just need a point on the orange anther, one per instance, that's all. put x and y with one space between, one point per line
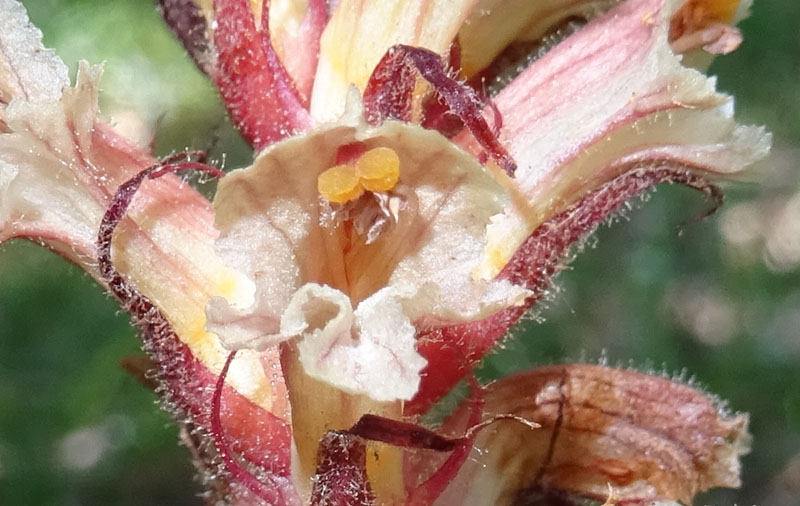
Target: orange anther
339 184
378 169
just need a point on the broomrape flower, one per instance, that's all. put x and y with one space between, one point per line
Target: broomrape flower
422 169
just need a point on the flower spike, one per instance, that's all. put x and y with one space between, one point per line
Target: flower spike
390 88
300 325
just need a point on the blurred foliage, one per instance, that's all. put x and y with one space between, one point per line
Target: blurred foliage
719 301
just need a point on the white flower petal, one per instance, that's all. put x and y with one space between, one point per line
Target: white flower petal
260 248
380 361
273 231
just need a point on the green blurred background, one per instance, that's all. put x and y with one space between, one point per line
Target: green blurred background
719 303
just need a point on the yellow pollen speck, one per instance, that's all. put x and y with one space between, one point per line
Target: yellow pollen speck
378 169
340 184
227 285
497 258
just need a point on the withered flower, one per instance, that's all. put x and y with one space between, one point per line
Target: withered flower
422 170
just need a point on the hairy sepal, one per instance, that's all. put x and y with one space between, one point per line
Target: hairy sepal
295 25
257 90
651 439
191 25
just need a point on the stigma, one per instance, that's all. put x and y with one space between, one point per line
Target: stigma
376 170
